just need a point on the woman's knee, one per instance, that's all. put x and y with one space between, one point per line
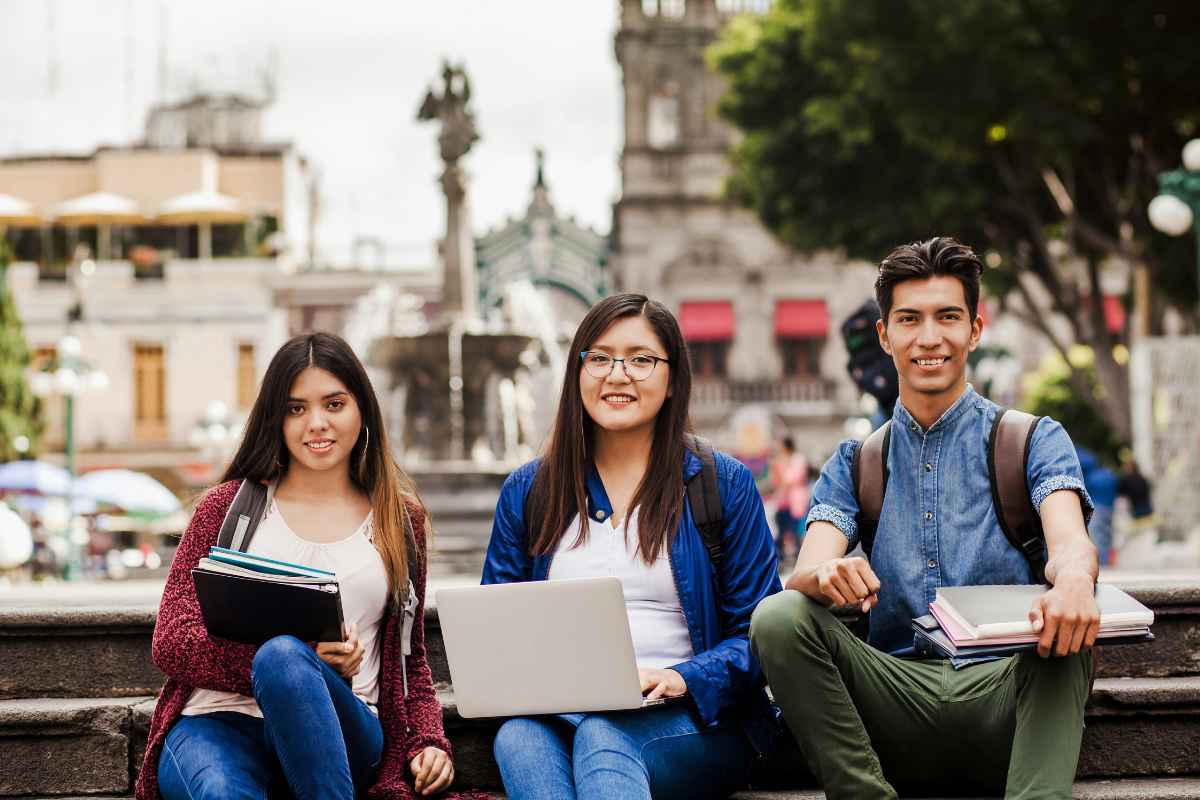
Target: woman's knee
520 737
600 734
276 656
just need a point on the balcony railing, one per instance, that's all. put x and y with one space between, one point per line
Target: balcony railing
716 395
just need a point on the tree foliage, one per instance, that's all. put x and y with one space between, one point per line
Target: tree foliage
19 407
1006 123
1048 392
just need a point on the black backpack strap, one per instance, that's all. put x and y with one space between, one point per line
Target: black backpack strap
244 514
704 497
870 474
1008 466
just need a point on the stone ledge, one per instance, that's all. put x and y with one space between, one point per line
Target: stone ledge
64 746
1137 789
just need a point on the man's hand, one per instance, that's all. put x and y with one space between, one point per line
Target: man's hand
1067 616
432 771
661 683
345 657
848 582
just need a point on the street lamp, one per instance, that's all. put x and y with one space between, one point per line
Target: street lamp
69 376
216 434
1177 209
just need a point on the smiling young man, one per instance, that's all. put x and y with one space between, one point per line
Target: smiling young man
871 716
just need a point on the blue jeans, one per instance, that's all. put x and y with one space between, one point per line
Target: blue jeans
316 738
657 753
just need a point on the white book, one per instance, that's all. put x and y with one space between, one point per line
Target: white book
986 612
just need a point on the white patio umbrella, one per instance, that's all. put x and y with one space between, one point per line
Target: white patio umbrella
17 213
102 209
132 492
205 209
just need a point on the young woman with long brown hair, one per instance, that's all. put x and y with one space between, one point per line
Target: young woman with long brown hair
608 499
344 718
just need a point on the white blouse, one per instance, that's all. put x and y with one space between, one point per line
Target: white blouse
656 619
362 578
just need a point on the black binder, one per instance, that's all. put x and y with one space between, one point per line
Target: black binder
253 610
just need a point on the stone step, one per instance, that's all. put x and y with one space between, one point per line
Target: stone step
72 651
1136 728
77 652
1137 789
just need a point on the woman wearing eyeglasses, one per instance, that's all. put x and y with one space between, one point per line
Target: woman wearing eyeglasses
609 500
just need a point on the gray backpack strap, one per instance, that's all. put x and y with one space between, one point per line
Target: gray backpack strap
870 475
245 512
409 613
1008 466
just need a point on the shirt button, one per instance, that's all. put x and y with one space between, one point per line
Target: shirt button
929 467
600 514
928 515
932 564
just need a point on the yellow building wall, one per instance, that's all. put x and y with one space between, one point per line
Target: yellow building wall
46 184
257 182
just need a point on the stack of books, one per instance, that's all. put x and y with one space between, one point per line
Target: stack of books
250 598
972 621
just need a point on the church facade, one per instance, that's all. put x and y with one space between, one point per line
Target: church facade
761 320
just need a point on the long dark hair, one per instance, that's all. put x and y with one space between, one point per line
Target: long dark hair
263 454
560 487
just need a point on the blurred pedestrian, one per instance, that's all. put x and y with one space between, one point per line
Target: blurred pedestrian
1101 483
791 494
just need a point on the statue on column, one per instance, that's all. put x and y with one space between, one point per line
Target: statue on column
458 121
450 108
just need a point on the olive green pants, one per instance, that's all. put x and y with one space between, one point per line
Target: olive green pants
868 722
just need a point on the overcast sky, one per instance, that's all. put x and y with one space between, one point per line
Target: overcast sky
350 76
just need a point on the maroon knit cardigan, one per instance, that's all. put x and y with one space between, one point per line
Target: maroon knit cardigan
191 658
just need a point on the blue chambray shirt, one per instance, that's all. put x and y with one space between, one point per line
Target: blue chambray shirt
938 526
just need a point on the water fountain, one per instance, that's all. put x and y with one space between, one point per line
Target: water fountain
450 376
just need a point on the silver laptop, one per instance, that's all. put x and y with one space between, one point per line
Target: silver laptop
544 647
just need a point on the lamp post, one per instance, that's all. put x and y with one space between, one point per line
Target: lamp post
69 376
1177 209
216 434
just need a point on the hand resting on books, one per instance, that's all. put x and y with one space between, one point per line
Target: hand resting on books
345 657
1066 616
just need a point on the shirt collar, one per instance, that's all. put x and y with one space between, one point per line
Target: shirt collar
965 400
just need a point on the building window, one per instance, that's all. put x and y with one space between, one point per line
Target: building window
149 393
709 359
671 9
801 357
663 117
247 378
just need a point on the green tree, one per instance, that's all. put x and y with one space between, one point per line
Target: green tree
19 407
1048 392
1006 123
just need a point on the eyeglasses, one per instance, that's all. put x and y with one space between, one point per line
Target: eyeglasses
637 368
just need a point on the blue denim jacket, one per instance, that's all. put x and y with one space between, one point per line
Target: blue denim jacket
938 525
723 677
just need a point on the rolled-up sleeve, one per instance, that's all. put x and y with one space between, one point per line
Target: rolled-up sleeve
833 498
1054 466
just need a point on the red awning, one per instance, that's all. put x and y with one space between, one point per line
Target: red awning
801 319
1114 313
707 321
